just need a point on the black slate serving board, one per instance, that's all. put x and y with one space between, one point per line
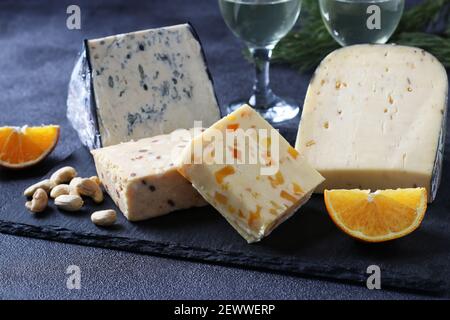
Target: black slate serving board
307 244
34 86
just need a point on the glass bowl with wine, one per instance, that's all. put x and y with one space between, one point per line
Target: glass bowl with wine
361 21
260 24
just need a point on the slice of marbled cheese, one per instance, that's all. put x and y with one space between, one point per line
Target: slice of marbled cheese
142 178
141 84
374 118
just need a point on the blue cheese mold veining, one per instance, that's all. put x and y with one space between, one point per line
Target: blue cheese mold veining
145 83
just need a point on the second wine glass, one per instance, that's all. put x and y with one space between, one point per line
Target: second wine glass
260 24
361 21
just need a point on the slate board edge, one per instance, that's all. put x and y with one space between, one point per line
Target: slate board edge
237 259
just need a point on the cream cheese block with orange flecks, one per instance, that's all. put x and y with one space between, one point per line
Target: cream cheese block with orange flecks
374 118
141 176
245 169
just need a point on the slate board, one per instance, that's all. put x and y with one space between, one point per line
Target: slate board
307 244
35 85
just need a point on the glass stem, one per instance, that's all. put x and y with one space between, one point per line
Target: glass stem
262 94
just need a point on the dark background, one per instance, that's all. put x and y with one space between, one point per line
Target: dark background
33 90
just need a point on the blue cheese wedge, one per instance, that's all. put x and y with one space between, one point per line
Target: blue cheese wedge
141 176
253 196
140 84
374 118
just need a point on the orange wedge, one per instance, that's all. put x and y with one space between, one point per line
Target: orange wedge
26 146
379 216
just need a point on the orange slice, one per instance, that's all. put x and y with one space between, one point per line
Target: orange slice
26 146
379 216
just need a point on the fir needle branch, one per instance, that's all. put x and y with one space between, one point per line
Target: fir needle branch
437 45
304 47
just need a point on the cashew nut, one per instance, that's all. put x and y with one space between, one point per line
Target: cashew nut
46 184
96 180
63 175
39 201
104 218
87 187
72 185
69 202
60 190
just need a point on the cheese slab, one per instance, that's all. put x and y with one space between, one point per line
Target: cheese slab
257 182
141 177
140 84
374 118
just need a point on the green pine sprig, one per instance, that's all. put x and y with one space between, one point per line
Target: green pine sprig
307 45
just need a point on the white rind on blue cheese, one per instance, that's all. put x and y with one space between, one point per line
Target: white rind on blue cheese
141 84
374 118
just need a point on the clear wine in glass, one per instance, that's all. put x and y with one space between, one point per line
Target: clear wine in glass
260 24
361 21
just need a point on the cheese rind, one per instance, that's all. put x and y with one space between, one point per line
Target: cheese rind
374 118
140 84
141 176
252 200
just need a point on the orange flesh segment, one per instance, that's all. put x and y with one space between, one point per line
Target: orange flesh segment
12 150
376 217
26 146
4 135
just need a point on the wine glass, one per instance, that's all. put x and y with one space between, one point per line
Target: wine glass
260 24
361 21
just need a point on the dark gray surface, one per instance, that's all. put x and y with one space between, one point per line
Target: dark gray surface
36 269
34 88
